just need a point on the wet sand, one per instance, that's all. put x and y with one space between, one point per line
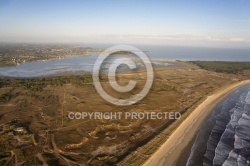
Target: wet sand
176 150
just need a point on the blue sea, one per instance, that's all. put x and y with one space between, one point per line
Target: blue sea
85 63
224 138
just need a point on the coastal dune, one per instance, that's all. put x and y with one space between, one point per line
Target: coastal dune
169 152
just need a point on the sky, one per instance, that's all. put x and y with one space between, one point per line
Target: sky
217 23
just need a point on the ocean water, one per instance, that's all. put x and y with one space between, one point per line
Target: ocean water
224 138
44 68
192 53
199 53
71 64
85 63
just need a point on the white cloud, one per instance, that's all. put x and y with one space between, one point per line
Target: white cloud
185 38
238 39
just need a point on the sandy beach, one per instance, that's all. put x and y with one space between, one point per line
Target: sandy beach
171 151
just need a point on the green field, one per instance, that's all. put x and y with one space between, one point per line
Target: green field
223 67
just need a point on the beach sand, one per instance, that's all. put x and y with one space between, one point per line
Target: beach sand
176 149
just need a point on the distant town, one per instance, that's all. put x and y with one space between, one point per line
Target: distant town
15 54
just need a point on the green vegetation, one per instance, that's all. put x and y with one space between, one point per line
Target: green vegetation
223 67
101 134
37 84
7 96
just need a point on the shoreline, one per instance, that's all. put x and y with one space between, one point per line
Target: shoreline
178 144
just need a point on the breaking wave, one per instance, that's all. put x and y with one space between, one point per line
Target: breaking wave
224 138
